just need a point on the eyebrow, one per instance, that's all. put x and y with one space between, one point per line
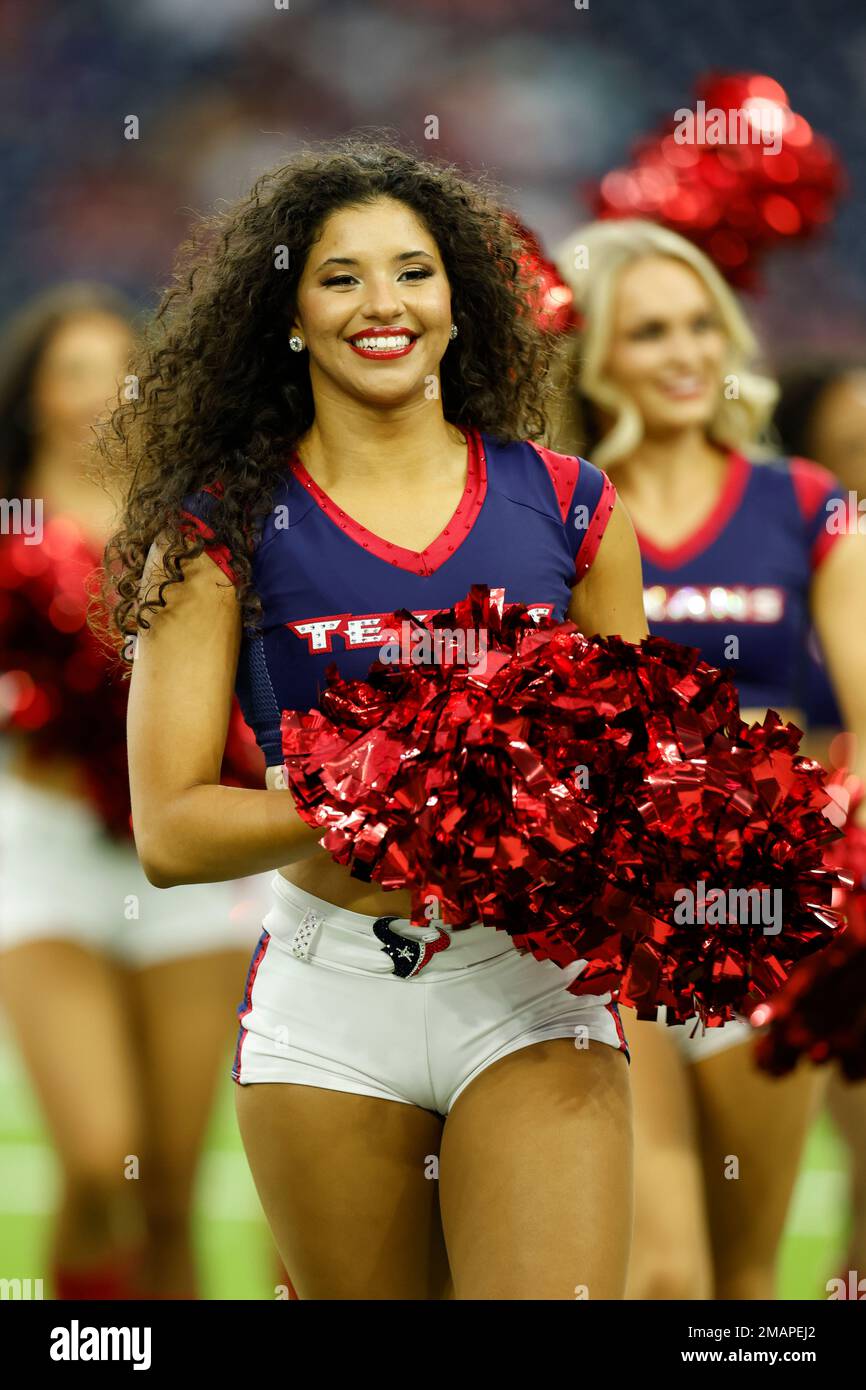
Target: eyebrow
347 260
660 319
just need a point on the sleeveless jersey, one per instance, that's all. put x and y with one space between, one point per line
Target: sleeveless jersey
529 523
738 587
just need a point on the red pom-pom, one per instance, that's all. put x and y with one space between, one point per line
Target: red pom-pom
821 1010
739 174
571 792
60 686
550 299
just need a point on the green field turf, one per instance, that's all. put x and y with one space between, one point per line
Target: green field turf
231 1235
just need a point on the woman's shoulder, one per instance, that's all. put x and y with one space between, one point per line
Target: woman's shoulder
548 478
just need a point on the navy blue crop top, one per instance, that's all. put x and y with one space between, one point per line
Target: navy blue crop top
529 523
745 573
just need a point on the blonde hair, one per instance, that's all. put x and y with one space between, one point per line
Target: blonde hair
591 261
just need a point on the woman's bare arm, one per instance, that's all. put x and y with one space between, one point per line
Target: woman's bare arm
609 598
188 828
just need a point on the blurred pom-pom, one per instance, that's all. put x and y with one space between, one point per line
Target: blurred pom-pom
573 793
550 299
61 687
821 1011
740 174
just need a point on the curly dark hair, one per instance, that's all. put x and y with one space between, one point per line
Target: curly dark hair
220 397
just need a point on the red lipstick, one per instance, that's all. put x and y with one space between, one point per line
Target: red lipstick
369 337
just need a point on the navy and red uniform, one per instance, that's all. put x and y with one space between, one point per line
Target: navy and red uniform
745 574
529 522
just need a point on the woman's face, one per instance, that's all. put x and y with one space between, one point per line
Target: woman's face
668 346
375 266
77 377
838 430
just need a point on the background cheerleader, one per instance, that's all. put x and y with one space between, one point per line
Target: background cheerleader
88 980
821 414
736 555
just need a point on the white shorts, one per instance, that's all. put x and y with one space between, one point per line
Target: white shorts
695 1043
61 877
324 1006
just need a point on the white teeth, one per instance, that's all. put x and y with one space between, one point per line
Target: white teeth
383 344
691 383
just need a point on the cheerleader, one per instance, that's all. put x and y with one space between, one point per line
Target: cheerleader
334 421
821 413
737 554
94 960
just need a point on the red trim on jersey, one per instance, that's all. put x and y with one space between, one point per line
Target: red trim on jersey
246 1006
672 556
613 1010
595 530
433 557
564 472
823 545
220 554
812 482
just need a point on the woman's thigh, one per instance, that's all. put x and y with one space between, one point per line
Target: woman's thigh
348 1186
671 1251
752 1131
536 1176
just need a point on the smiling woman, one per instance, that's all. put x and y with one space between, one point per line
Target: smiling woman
346 438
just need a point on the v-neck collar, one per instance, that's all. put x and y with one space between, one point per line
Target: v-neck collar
672 556
454 533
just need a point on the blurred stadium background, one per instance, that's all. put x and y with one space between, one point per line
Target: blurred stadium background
543 95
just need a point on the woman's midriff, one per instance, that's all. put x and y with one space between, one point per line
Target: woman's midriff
323 878
319 875
333 883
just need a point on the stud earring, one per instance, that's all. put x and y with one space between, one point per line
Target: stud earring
296 343
453 333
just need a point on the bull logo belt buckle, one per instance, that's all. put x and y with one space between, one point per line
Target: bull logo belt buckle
408 955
